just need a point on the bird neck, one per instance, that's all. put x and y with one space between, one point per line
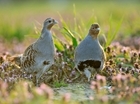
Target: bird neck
93 34
44 29
45 32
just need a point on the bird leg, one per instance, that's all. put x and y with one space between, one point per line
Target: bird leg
41 72
95 73
78 70
37 82
88 74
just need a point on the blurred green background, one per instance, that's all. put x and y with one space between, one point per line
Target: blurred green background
21 20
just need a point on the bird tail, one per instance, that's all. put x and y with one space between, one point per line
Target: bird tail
16 59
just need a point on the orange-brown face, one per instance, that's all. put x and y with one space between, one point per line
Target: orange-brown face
49 22
94 30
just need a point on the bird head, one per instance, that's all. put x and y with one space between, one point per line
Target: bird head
49 22
94 30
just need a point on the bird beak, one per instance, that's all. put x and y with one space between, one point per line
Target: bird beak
55 22
98 29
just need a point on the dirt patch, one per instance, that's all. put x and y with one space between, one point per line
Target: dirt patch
77 91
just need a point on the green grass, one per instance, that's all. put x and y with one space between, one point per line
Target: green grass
117 19
17 32
58 84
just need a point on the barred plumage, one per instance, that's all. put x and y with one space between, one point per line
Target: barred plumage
40 52
28 58
89 54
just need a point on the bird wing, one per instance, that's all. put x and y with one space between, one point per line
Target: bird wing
103 58
103 55
76 56
28 58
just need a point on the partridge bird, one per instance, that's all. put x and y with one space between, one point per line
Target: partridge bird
89 54
39 56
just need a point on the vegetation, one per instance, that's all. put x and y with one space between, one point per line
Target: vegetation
119 81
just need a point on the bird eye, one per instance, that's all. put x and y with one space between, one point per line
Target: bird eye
49 21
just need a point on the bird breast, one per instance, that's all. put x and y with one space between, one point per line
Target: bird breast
45 46
89 49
